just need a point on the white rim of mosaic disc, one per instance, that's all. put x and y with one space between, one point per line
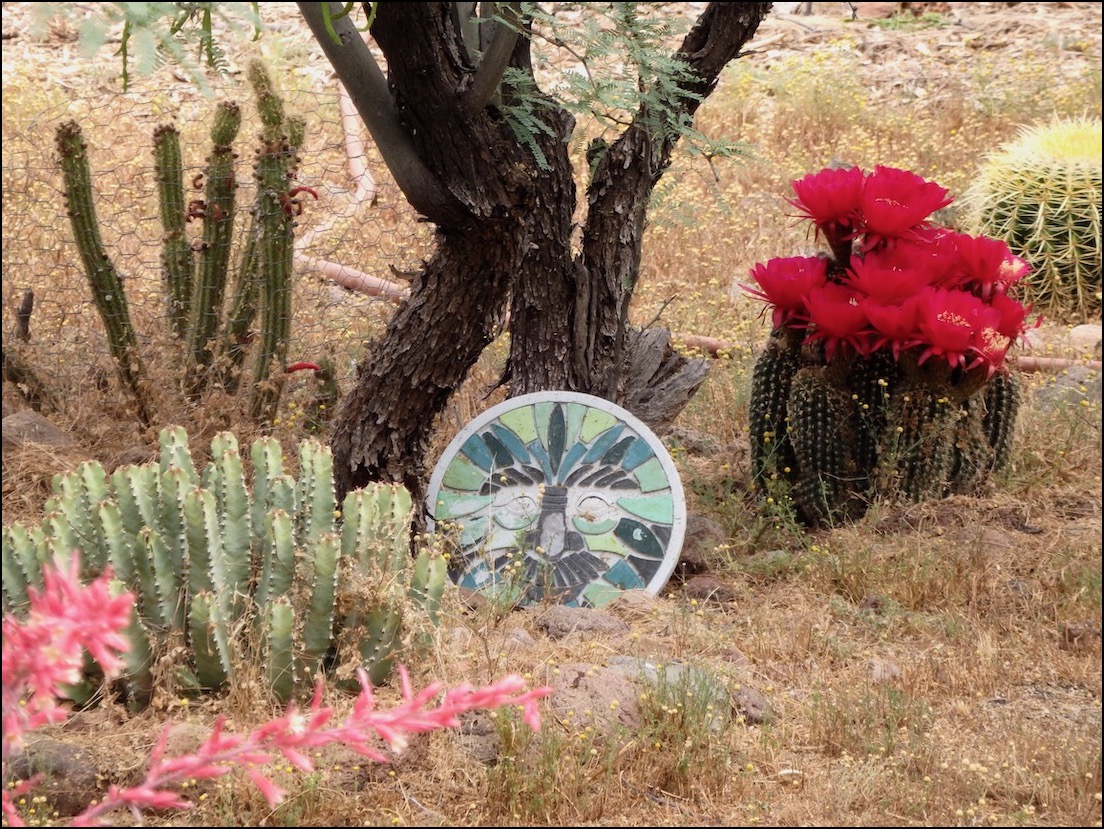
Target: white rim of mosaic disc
582 475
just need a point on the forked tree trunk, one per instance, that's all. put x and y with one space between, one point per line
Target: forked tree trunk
505 226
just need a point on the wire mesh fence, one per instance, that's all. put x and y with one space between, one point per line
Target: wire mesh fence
355 239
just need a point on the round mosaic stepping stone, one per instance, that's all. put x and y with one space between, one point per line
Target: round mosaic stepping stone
558 495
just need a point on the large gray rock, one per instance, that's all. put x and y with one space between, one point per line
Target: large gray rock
30 427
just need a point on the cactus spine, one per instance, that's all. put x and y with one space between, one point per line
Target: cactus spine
211 563
104 279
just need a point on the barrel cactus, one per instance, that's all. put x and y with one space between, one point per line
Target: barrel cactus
884 375
1041 194
232 573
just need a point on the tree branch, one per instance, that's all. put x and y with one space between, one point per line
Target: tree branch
356 67
488 74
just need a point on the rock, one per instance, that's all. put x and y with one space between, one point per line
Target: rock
595 695
988 540
703 536
478 736
560 620
70 777
752 705
1069 388
706 588
633 605
671 680
30 427
1085 340
132 456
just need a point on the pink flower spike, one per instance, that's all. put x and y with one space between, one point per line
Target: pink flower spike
272 793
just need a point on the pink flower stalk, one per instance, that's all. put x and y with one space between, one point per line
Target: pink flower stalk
786 283
46 650
895 201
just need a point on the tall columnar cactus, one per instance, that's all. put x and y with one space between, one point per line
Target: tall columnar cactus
103 278
232 570
218 211
273 216
1042 195
176 250
772 452
217 338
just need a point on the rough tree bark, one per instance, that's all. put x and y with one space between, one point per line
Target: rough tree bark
504 228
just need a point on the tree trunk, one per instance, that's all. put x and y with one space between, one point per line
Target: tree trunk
505 235
569 315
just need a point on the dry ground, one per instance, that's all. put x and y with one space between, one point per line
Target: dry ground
939 665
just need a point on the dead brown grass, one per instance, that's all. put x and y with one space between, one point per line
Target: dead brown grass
920 662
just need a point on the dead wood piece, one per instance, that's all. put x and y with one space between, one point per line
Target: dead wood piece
658 382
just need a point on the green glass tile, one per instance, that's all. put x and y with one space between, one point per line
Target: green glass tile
459 504
520 422
595 422
465 475
651 476
658 509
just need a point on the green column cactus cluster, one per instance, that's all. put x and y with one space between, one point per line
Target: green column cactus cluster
221 567
839 436
1042 195
214 328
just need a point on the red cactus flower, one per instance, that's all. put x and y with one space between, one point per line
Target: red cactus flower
894 325
831 198
930 249
988 344
785 282
838 318
948 320
896 201
887 282
1013 316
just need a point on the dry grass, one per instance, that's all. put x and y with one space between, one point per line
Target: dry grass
919 662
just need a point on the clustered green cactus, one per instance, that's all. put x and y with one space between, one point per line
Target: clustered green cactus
218 566
1042 195
214 329
838 436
